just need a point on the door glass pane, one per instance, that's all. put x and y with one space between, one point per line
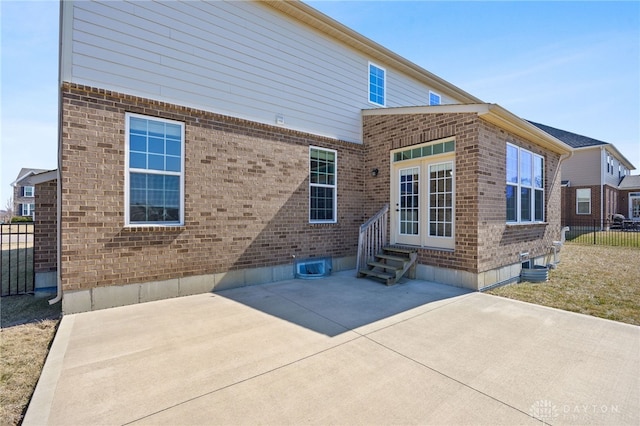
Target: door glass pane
635 208
408 203
441 200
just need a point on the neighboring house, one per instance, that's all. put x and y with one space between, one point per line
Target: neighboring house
24 193
205 145
592 179
45 240
629 197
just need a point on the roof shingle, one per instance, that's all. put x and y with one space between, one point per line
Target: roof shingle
572 139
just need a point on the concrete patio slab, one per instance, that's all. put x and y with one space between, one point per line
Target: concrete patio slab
339 350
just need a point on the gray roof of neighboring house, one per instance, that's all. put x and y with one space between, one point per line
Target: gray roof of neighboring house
630 182
572 139
26 171
577 141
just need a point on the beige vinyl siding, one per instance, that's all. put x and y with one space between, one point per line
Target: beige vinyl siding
611 178
584 167
236 58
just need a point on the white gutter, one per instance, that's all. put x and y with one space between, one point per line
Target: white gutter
491 113
58 172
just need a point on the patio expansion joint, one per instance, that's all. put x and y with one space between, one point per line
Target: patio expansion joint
370 338
358 336
448 377
266 372
247 379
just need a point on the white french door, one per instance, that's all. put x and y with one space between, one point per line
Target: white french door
634 206
424 199
408 206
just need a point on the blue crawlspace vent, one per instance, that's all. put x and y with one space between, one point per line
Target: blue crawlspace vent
317 267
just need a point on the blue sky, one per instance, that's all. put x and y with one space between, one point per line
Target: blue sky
571 65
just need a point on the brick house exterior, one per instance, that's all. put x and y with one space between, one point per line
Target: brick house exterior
24 194
45 236
250 183
629 197
487 248
44 186
245 204
594 173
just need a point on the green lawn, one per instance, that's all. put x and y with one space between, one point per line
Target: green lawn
605 238
602 281
17 271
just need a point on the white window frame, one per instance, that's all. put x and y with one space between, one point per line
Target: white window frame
519 185
318 185
27 209
578 190
632 197
129 170
384 82
434 94
32 191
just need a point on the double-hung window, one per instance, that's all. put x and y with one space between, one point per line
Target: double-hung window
27 191
525 185
154 176
322 185
377 83
583 201
27 209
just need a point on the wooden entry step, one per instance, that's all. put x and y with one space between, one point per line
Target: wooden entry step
391 264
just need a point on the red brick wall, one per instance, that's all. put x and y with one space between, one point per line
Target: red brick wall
45 229
384 133
246 196
483 240
498 243
569 215
623 202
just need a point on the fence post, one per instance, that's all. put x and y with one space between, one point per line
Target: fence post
594 232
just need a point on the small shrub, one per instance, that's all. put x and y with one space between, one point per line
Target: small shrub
18 219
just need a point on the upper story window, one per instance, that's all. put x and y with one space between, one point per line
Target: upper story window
377 84
28 191
154 174
322 185
434 98
609 164
525 185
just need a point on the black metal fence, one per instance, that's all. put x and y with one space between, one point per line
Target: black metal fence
608 232
17 260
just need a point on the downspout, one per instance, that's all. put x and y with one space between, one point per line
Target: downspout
604 154
556 245
59 174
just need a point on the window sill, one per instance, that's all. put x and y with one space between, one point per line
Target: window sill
154 228
516 224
